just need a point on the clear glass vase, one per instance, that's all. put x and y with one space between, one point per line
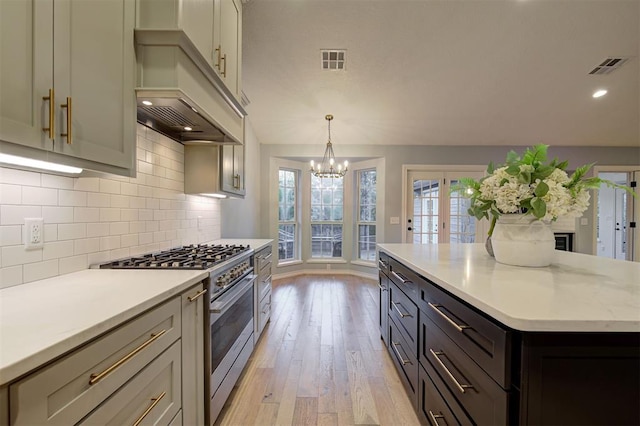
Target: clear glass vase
523 240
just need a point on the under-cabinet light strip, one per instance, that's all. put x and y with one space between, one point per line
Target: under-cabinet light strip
37 164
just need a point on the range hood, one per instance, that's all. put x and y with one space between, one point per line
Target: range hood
180 95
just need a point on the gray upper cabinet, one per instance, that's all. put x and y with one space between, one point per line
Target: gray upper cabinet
232 172
67 74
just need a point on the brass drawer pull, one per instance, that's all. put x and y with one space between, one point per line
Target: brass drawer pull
69 120
224 69
218 50
52 114
400 312
268 279
95 378
434 418
198 294
462 388
401 277
154 402
236 177
395 348
458 327
267 257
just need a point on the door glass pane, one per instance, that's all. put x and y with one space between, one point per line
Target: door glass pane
462 226
426 194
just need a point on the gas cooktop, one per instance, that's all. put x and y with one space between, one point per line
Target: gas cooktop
200 256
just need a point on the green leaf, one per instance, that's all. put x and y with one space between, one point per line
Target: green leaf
513 170
541 190
538 207
524 177
512 157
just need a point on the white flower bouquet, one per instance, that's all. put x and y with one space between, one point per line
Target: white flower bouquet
530 185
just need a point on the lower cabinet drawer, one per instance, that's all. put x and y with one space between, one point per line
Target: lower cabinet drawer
177 420
436 405
264 312
65 391
405 361
405 313
484 400
152 397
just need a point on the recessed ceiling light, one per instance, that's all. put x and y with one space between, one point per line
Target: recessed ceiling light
599 93
188 129
147 102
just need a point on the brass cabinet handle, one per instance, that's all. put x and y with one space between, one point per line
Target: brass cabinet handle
400 312
382 264
68 134
96 377
395 349
236 178
462 388
219 51
267 279
198 294
268 257
154 402
52 114
434 418
458 327
401 277
224 69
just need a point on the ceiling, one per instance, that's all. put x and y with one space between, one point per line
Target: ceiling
443 72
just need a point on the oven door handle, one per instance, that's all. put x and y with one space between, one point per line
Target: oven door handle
229 298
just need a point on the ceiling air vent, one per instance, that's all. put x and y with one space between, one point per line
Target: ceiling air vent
333 60
608 66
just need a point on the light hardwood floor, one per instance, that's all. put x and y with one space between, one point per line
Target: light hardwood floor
320 361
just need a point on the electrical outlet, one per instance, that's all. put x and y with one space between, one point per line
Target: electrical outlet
33 233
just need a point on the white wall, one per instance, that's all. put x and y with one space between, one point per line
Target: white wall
95 219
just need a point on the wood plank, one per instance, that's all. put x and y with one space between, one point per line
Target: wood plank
327 386
327 419
306 411
288 401
364 409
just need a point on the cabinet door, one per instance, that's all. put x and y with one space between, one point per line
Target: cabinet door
232 175
197 22
230 40
94 67
26 58
193 319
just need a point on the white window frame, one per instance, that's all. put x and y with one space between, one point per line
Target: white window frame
356 215
296 217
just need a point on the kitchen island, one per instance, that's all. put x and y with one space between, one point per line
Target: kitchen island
475 341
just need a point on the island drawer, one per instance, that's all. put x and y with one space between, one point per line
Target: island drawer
487 343
383 262
153 395
436 405
68 389
480 396
405 313
407 280
406 362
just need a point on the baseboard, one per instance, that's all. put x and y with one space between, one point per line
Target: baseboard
325 272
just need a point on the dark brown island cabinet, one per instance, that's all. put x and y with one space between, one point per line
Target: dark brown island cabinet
461 366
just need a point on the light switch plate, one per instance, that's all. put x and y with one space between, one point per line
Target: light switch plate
394 220
33 233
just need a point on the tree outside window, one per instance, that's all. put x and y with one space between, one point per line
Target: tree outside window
366 214
287 214
327 203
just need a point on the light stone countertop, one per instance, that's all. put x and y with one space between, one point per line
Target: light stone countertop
576 293
42 320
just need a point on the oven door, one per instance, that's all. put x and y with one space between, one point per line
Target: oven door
231 326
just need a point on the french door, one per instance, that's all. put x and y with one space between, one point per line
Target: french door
435 215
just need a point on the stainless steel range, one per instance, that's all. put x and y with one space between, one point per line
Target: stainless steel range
229 330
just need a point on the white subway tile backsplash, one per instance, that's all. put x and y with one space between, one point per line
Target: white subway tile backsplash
72 231
89 184
10 235
19 177
57 214
72 198
86 214
73 264
35 195
109 215
96 199
109 186
14 215
17 255
10 194
99 229
86 245
40 270
92 220
59 182
10 276
57 249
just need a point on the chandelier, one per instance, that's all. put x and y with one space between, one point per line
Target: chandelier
327 168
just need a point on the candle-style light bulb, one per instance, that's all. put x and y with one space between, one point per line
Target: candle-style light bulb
346 164
331 161
312 164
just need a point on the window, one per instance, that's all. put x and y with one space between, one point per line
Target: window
366 214
327 199
287 214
